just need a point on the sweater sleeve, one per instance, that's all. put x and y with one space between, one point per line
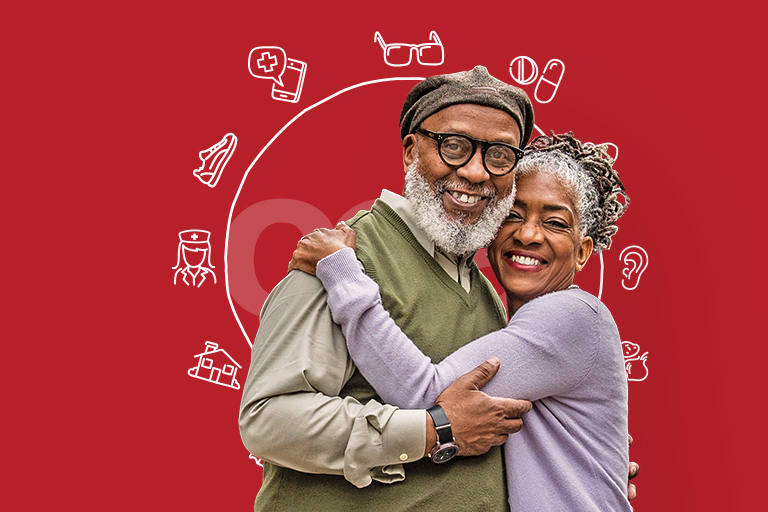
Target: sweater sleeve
547 348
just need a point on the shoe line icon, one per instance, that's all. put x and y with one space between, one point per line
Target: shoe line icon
214 159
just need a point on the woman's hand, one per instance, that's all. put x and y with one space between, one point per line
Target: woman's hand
319 244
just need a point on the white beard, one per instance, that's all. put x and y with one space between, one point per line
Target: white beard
453 236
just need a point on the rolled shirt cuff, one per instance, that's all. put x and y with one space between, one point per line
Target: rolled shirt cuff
378 437
406 434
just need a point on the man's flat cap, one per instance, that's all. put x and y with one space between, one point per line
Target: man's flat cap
476 86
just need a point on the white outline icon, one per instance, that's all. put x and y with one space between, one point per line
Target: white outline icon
609 145
606 146
270 59
631 351
258 461
207 365
215 158
549 69
520 74
635 261
271 64
388 48
191 241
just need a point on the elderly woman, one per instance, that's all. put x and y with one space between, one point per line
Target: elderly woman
561 349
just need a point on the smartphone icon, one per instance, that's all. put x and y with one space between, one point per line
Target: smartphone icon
293 80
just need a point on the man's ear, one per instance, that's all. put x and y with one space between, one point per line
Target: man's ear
585 251
409 150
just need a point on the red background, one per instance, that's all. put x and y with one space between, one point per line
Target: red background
107 106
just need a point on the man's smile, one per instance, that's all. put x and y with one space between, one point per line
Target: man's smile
470 203
465 198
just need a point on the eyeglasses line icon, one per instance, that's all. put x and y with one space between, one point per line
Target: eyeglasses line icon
400 54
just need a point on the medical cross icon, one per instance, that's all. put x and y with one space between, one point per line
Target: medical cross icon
287 75
267 66
194 236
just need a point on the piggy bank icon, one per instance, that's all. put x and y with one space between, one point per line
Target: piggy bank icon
634 363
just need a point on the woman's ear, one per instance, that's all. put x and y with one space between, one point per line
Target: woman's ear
585 251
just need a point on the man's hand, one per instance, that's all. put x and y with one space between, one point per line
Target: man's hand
479 421
634 470
319 244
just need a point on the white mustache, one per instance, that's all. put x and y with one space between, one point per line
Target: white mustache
444 184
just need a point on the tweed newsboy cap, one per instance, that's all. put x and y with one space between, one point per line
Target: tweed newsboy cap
476 86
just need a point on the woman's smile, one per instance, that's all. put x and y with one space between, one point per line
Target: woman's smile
525 261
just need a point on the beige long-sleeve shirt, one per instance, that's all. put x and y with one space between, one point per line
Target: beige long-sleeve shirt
291 414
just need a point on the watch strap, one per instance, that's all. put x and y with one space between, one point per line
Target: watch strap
442 425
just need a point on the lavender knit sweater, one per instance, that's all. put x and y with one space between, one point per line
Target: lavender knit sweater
562 351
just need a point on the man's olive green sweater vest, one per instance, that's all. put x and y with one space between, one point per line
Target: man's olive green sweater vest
440 317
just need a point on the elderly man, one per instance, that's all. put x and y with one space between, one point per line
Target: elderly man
306 410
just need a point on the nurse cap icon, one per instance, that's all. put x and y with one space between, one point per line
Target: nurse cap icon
194 236
194 249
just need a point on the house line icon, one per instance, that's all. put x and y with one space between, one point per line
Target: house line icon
215 365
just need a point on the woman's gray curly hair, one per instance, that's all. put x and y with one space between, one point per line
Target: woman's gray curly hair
587 170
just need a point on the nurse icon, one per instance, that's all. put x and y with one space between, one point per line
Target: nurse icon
194 249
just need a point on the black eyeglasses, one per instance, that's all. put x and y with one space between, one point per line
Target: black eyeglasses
455 149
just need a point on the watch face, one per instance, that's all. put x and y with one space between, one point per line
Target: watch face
445 453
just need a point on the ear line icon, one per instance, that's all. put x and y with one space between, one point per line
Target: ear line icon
635 260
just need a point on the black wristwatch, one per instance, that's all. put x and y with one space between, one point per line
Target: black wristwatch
446 448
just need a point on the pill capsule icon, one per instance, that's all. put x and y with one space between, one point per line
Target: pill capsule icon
549 81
